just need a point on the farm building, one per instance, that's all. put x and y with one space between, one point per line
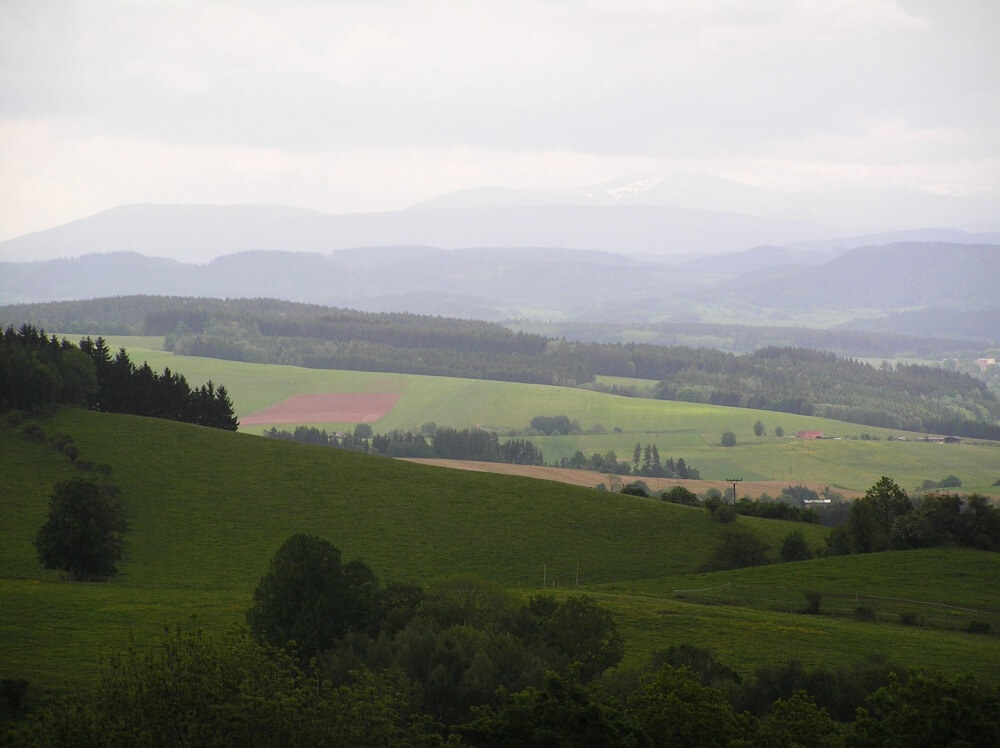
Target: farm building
810 435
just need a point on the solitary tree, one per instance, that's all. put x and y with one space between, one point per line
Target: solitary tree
82 536
758 428
729 439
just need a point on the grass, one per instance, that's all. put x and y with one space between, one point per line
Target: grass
208 508
944 587
745 637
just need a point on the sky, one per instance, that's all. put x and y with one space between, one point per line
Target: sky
378 105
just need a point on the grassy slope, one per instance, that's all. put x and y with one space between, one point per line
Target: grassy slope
688 430
208 508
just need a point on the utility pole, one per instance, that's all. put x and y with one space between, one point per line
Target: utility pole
734 481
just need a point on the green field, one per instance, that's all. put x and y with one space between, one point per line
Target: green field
689 430
207 509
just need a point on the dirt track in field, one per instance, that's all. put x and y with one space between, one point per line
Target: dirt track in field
590 478
349 407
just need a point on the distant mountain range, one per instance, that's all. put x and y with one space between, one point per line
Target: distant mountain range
546 284
198 233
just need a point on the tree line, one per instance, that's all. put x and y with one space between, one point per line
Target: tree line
886 518
445 443
38 372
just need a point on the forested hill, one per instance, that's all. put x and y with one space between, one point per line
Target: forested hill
783 379
547 283
908 274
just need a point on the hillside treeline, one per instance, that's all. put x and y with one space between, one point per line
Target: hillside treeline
38 372
885 519
123 387
850 339
794 380
446 443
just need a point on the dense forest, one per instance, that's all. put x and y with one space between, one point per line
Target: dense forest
794 380
39 372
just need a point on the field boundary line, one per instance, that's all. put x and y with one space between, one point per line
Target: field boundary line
706 589
925 602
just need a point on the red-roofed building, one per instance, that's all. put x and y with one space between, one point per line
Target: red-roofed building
810 435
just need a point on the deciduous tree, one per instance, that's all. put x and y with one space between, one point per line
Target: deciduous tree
82 536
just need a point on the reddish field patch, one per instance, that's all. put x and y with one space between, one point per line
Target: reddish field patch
349 407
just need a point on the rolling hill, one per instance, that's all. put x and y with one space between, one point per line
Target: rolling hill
207 508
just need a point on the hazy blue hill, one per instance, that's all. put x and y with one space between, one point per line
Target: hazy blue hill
543 283
760 258
893 276
94 275
982 325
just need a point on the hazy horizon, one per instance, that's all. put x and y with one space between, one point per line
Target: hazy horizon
863 115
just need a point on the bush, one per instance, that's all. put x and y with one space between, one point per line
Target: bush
813 602
12 692
636 488
977 627
864 613
794 547
724 514
729 439
906 618
34 433
738 547
680 495
778 431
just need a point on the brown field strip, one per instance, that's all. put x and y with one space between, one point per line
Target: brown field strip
589 478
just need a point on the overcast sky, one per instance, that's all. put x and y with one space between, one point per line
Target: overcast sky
358 106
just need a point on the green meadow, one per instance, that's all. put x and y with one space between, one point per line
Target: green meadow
689 430
206 510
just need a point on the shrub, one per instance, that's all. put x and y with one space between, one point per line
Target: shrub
813 601
34 433
636 488
738 547
794 547
680 495
977 627
724 514
908 618
864 613
12 691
